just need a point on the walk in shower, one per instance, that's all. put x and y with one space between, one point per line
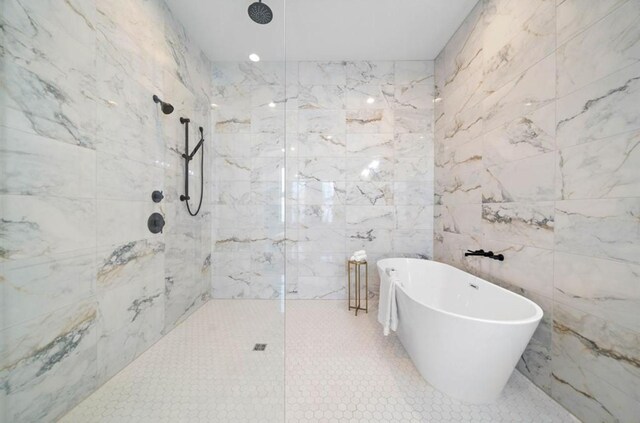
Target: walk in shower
182 183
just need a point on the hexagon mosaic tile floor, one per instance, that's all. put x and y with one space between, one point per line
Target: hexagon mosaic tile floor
338 368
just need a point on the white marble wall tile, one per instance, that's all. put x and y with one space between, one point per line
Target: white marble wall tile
460 219
413 242
318 192
414 169
49 363
600 169
614 40
231 121
599 228
370 121
522 95
274 97
331 97
369 73
119 222
535 364
413 121
322 73
321 169
32 164
319 215
413 97
371 217
331 240
43 226
33 287
122 179
370 97
326 122
461 127
370 145
312 287
507 182
413 145
521 223
232 145
516 37
416 217
572 18
584 344
321 145
413 72
270 121
462 188
370 193
413 193
369 239
465 158
232 169
607 289
600 110
377 169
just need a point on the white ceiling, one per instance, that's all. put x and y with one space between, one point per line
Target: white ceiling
323 29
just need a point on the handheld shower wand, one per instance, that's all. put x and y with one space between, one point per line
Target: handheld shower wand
187 158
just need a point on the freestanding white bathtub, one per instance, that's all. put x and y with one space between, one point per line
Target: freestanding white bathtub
464 334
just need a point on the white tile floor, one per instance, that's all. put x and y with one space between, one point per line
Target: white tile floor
338 368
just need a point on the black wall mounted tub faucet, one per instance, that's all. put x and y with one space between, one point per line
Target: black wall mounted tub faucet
483 253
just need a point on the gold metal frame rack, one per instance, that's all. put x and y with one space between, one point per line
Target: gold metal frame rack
356 303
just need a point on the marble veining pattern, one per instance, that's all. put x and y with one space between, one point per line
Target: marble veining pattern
536 157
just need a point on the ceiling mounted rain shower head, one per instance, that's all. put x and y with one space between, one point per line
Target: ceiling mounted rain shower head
260 13
166 108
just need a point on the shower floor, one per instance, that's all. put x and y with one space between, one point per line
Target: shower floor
338 368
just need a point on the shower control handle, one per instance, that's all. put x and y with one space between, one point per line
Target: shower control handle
157 196
155 223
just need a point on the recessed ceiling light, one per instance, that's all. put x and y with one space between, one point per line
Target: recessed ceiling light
272 104
254 57
214 105
370 100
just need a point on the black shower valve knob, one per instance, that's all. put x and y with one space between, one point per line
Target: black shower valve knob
157 196
155 223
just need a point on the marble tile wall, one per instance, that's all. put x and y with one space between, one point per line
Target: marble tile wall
340 151
536 149
85 286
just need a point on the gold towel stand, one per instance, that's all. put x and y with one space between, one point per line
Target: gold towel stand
357 303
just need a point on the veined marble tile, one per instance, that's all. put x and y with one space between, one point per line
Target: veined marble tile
413 145
600 228
572 17
52 359
322 73
318 192
415 169
370 193
50 95
535 364
330 97
592 400
464 219
413 72
416 217
586 346
614 40
369 73
310 216
529 179
313 287
465 158
330 240
369 239
607 289
413 97
276 97
249 73
462 127
370 121
462 60
35 287
31 166
600 110
525 136
370 145
232 145
119 222
321 169
461 188
326 122
383 217
413 242
266 144
321 145
528 268
321 264
232 169
413 121
124 264
231 121
600 169
522 95
522 223
43 226
235 96
237 192
268 121
515 37
122 179
414 193
370 97
370 169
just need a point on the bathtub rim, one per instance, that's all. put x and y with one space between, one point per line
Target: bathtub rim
537 317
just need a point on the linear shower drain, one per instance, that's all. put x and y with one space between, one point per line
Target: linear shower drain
259 347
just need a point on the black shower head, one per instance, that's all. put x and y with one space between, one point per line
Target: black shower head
260 13
167 108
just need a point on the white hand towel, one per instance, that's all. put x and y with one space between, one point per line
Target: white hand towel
388 308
